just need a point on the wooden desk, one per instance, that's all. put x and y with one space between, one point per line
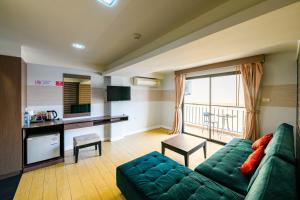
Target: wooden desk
93 121
60 126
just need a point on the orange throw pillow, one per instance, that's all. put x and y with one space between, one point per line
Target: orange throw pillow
253 160
263 141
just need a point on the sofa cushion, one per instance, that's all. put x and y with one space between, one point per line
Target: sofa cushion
262 162
263 141
253 160
242 144
155 176
275 180
276 147
224 168
282 143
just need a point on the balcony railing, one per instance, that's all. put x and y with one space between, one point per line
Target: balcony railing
223 119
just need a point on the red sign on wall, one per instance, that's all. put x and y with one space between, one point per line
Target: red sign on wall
59 83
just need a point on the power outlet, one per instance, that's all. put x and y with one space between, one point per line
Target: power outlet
266 100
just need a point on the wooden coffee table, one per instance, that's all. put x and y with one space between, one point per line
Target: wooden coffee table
185 145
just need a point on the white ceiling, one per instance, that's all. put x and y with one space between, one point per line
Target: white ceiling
275 31
45 29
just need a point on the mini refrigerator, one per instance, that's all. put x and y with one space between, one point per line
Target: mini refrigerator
43 147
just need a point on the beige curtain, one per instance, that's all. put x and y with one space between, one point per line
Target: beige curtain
179 87
252 75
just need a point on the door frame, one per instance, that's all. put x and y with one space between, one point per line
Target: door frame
210 76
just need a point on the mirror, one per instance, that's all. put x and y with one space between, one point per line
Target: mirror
77 95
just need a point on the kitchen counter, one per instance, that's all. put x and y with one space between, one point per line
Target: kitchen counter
60 126
43 124
82 122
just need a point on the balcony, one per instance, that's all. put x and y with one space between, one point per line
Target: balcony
225 122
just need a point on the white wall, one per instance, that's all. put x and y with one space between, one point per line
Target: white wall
144 113
168 105
54 94
50 73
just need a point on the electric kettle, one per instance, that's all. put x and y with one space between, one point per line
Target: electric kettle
51 114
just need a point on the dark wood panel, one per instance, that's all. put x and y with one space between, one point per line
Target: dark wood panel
23 88
76 76
11 114
70 95
78 125
298 126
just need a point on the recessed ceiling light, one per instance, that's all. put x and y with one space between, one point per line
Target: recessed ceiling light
78 46
108 3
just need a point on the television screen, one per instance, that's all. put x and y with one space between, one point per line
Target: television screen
118 93
80 108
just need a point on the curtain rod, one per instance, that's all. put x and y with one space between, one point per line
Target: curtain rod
251 59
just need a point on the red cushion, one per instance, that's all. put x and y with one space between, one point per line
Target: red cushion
253 160
263 141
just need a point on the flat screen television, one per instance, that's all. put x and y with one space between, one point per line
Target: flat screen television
118 93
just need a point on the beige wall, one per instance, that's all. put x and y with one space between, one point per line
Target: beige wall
279 91
279 86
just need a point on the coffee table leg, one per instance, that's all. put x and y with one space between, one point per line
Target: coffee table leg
204 150
162 149
76 154
100 148
186 160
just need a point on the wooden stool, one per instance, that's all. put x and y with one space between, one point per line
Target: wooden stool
85 141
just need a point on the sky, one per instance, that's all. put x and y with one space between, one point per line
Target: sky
223 91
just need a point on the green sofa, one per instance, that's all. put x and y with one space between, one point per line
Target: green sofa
157 177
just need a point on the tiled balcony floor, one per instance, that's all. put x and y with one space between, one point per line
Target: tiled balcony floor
222 136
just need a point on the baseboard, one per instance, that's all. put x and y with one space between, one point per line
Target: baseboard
4 176
166 127
150 128
105 139
143 130
139 131
112 139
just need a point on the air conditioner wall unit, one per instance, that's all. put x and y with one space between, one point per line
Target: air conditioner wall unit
143 81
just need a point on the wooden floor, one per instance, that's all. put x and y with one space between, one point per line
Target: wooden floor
93 177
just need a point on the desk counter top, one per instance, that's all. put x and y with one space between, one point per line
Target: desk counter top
43 124
95 120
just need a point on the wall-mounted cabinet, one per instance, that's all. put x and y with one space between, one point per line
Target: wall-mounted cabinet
12 103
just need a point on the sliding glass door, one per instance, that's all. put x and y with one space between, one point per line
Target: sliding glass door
213 107
196 101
